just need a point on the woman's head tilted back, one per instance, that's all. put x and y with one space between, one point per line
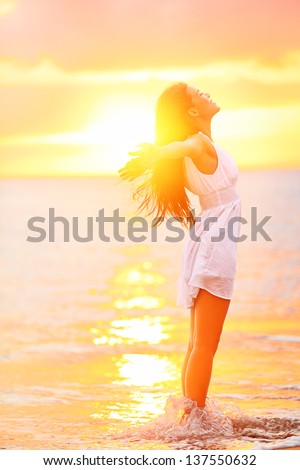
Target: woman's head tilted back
180 111
173 122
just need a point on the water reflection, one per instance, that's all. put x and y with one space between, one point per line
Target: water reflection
146 329
135 284
136 280
150 330
137 273
145 370
137 293
145 302
143 407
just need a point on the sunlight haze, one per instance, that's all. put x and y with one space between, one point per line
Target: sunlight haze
72 104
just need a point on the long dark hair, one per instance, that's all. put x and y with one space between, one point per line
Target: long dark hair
163 192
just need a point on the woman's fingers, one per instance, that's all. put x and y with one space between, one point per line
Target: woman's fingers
144 144
143 150
133 168
141 162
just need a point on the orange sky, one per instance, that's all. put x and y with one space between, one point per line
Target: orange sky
79 79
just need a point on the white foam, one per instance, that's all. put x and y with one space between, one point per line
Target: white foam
175 425
208 427
288 339
283 387
289 442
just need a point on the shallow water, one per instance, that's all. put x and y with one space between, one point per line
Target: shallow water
217 426
92 342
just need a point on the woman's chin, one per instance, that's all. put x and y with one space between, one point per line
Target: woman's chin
216 108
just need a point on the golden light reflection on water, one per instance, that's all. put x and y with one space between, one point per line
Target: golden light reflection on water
145 370
137 285
147 329
107 340
135 275
145 302
138 404
136 281
143 406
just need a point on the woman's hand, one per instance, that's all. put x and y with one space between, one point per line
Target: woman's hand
146 156
148 152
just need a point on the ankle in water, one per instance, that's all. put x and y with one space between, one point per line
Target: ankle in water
191 405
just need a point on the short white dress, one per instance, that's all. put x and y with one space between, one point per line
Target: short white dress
209 253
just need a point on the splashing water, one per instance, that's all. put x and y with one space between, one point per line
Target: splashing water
183 421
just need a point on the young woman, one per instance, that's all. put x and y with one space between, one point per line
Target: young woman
184 156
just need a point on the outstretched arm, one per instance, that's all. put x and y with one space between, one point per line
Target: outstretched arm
148 154
191 147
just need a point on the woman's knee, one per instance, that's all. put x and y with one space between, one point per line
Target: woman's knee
206 346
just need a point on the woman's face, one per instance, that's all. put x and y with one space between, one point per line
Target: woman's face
202 103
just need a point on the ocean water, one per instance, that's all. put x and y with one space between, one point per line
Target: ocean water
92 342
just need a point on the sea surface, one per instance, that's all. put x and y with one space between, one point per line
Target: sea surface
92 341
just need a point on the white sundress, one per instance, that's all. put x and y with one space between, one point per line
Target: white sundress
209 262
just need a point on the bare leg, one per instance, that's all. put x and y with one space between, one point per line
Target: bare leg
210 313
189 349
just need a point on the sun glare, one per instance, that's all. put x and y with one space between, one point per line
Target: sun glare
7 6
113 130
120 126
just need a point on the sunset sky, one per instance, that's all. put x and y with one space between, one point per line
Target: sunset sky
79 79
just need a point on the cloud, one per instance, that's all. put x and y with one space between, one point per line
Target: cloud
135 34
45 99
46 72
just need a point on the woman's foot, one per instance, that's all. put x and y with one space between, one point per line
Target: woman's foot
189 407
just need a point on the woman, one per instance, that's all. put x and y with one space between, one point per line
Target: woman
184 156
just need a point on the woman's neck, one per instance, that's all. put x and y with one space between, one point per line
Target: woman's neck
205 128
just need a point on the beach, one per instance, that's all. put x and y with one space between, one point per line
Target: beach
92 341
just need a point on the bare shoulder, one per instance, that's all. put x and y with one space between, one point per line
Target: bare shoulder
203 153
198 144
